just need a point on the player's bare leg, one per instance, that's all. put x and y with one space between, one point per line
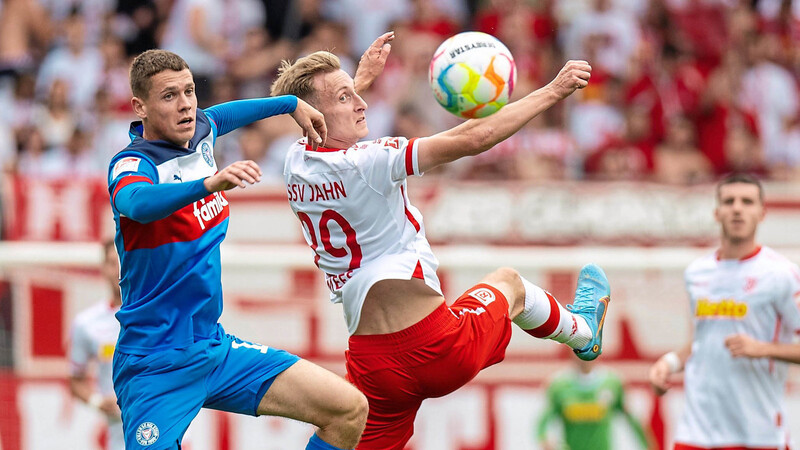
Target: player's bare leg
311 394
536 311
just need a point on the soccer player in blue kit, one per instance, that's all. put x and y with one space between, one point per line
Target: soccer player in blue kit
173 357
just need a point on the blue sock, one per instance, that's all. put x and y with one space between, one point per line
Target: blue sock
315 443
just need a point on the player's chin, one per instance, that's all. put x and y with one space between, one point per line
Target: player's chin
363 130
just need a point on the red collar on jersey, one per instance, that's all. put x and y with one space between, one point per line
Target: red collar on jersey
323 149
745 257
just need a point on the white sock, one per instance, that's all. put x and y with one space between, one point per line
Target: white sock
545 318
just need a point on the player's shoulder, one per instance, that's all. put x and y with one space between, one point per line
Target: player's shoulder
384 143
777 262
705 262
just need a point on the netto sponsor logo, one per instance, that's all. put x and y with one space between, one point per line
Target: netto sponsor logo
726 308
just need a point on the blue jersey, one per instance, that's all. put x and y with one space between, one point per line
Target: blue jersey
169 228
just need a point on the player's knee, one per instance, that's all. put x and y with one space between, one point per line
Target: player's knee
506 280
350 422
356 417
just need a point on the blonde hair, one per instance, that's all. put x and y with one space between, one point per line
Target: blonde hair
298 78
149 64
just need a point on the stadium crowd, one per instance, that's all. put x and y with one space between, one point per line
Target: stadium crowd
682 90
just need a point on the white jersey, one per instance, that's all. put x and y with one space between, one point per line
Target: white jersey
354 209
93 338
737 401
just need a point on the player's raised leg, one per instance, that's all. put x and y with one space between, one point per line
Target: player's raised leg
315 395
536 311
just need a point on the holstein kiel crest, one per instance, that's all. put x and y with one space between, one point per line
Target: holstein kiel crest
205 149
147 433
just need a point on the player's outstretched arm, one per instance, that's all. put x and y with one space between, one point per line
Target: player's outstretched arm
478 135
372 62
235 175
743 345
229 116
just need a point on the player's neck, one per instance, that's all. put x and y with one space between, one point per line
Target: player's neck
150 136
332 142
737 250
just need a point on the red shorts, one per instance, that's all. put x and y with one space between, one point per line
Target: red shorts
679 446
431 358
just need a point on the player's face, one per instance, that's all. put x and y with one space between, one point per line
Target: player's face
739 211
342 107
168 112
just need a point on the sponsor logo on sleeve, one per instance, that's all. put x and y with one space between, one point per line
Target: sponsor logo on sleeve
483 295
128 164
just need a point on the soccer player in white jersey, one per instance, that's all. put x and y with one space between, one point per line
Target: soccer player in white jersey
93 337
351 198
745 316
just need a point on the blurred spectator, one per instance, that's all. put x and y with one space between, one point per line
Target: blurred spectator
367 20
114 77
598 117
108 129
54 119
770 90
31 153
428 17
75 62
677 159
137 24
724 73
195 30
617 161
74 160
702 28
93 12
612 34
25 34
721 111
18 112
743 154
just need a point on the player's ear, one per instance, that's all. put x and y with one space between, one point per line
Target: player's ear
139 107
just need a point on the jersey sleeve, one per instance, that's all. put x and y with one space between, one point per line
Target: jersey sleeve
388 161
226 117
136 194
80 352
788 299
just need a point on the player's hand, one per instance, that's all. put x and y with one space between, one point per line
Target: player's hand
659 377
110 408
372 62
744 345
574 75
312 122
237 174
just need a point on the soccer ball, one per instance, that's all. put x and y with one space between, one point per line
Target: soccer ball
472 74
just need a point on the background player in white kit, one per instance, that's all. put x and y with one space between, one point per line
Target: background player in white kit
745 317
406 343
93 337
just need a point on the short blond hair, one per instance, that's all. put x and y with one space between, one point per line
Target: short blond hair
298 79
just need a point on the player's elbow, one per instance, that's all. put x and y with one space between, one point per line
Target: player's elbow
481 138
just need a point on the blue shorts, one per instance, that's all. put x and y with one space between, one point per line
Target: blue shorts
161 393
